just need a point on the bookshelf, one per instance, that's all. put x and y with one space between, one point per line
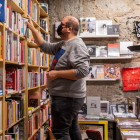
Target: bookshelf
100 58
28 67
101 79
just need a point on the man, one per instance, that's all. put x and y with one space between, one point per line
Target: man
66 78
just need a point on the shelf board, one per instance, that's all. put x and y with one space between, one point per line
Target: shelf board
21 37
31 44
30 65
33 111
1 132
15 6
44 122
43 13
43 30
35 131
99 36
101 79
45 67
1 96
43 85
14 123
12 62
1 24
34 22
16 92
1 60
33 88
95 58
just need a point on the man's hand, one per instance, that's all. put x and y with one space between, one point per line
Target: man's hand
52 75
30 24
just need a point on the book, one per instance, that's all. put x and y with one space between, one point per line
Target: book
137 106
93 106
112 29
87 26
112 109
91 50
124 116
100 72
56 26
101 26
131 134
33 100
3 5
124 51
92 72
114 50
104 107
121 108
101 51
112 71
1 81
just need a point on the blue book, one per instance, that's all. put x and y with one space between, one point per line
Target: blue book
2 11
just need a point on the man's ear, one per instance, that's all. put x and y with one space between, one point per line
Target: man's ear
70 28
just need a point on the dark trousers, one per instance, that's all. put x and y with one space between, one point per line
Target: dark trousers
64 111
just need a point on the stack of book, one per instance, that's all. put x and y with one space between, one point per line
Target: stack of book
33 123
43 77
1 117
33 56
14 109
33 79
15 50
43 114
33 11
15 79
43 59
1 45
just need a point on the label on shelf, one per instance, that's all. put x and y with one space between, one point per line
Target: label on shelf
28 64
8 95
19 63
10 29
46 102
19 91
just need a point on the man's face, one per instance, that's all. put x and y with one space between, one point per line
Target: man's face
112 70
64 25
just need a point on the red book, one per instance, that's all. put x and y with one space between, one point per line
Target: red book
11 80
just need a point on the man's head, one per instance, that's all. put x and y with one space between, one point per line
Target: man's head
69 27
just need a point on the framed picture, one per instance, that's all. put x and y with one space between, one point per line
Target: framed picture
121 108
112 109
104 107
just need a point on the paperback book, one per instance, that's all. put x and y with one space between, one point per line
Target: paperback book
112 71
114 50
112 29
101 51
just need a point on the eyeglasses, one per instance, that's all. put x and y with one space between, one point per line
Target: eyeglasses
65 25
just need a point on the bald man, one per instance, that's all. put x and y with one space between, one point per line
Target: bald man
66 79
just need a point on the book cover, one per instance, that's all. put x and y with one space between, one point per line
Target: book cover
112 29
121 108
93 105
91 50
124 51
87 26
56 26
112 71
114 50
104 107
100 72
101 26
2 11
33 99
101 51
92 72
11 80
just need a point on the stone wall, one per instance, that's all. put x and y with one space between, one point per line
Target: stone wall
122 12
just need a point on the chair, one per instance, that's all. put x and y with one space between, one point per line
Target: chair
93 135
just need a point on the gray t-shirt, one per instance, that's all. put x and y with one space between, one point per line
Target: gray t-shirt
71 54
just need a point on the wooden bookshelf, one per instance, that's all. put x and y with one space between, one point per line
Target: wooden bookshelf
36 68
14 123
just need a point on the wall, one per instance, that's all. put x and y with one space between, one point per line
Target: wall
122 12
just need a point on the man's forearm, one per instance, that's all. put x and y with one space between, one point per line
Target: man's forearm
38 38
67 74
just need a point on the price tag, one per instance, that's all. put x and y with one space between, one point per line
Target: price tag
19 91
28 64
19 63
8 95
42 103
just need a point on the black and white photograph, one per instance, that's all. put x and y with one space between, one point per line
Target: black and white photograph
112 109
93 105
121 108
91 50
101 26
112 29
101 51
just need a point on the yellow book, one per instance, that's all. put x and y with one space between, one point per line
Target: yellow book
30 108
